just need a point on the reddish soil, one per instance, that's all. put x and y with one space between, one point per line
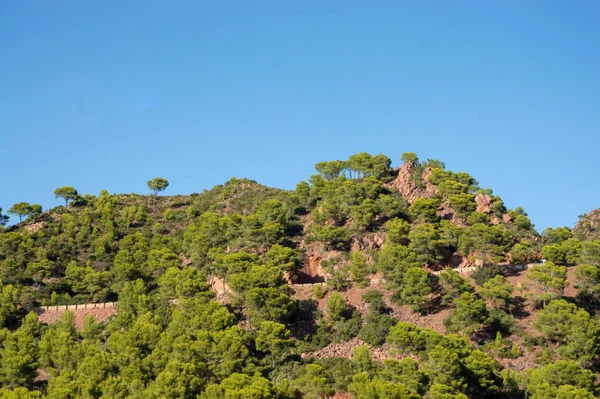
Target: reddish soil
99 314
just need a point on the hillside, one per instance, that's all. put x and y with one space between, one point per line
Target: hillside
366 281
588 226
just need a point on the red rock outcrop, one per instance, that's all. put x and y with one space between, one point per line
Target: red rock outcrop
484 203
404 182
35 227
219 286
365 243
588 227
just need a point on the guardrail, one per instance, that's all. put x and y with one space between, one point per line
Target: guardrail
324 283
473 268
56 308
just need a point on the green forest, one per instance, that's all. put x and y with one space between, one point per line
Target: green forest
350 286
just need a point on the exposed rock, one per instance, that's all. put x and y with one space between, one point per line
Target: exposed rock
430 188
588 227
496 220
219 286
365 243
404 182
458 261
312 271
379 239
484 203
34 227
445 211
507 218
185 260
313 267
345 349
287 276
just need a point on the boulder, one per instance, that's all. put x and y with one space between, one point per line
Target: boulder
484 203
407 187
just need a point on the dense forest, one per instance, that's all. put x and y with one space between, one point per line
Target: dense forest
365 282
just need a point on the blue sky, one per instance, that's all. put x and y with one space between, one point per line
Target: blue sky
109 94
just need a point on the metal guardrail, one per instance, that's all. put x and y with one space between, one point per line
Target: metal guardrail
56 308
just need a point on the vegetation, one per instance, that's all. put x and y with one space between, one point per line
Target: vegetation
205 308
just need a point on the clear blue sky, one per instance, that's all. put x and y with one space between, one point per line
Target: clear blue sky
109 94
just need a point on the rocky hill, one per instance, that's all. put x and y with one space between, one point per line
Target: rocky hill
366 281
588 226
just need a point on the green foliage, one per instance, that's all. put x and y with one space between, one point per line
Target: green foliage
522 253
549 280
363 387
268 304
313 383
587 281
67 193
503 348
468 315
478 217
452 286
415 289
244 386
590 253
332 237
463 204
25 209
158 184
397 231
488 243
376 328
378 322
485 273
394 261
359 268
561 379
409 157
426 241
498 292
443 365
423 210
9 302
441 391
171 338
337 308
330 170
318 291
557 235
554 253
19 356
274 339
573 328
3 219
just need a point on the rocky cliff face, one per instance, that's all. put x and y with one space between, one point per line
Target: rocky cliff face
484 203
406 180
588 227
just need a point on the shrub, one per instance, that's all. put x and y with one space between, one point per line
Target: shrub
486 272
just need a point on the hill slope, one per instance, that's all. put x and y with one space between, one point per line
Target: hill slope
588 226
211 300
